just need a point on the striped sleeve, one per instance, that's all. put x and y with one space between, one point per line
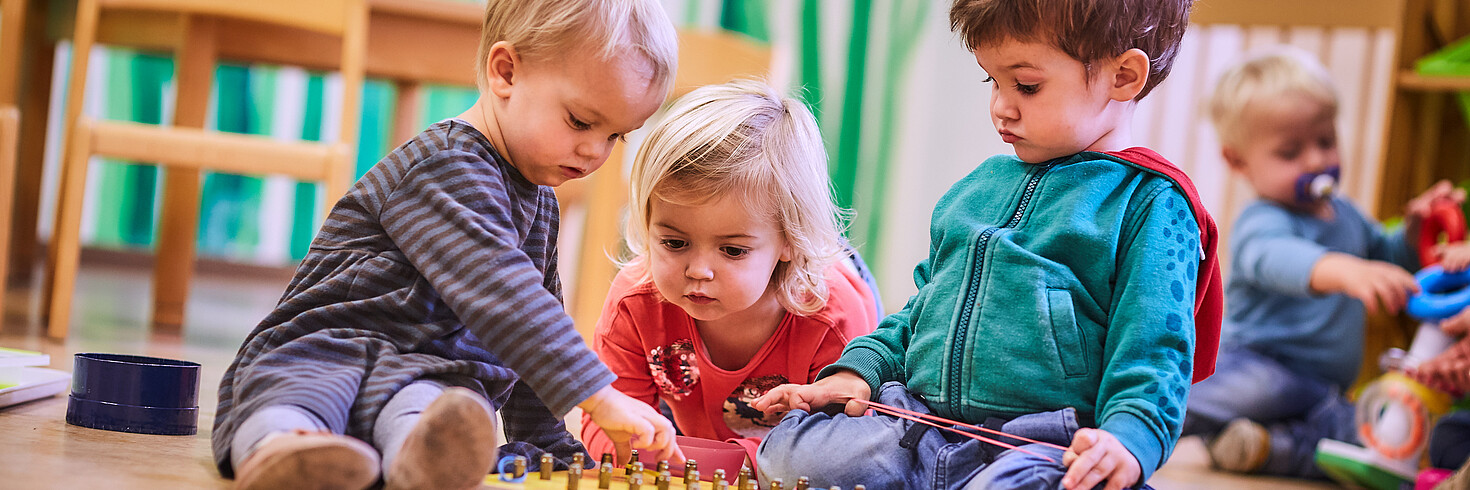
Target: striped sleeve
453 216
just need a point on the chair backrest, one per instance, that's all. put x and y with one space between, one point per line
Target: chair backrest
326 16
346 19
705 57
1355 39
710 57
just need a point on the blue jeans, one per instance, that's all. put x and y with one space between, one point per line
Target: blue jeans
1298 410
882 451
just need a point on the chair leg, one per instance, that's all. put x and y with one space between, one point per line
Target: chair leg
174 266
34 100
338 178
9 126
178 226
407 109
605 200
65 239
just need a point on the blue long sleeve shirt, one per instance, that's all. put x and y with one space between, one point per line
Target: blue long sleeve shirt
1269 305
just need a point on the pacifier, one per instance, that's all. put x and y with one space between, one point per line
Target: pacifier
1315 186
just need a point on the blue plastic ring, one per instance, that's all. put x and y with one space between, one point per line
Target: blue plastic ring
1442 294
502 470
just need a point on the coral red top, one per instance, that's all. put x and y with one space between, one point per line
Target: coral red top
655 350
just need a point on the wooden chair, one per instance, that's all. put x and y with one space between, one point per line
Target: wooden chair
705 57
410 42
184 150
12 23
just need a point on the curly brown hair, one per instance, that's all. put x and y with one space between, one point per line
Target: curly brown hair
1087 30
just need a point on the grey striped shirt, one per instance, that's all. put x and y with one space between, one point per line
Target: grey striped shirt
439 263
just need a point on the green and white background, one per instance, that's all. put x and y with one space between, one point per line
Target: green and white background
900 102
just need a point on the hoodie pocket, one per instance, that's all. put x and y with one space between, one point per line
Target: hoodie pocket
1066 333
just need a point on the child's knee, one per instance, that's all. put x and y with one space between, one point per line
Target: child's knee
1014 469
835 450
784 441
804 444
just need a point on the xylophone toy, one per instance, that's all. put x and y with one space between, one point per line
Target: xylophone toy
513 475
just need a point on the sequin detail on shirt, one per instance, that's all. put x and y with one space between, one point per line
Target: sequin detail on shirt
674 368
747 421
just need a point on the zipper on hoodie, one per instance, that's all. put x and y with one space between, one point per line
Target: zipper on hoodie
962 330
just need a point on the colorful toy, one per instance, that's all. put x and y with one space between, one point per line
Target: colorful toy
512 469
1446 223
1394 412
513 475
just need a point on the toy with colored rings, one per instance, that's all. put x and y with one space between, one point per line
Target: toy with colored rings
1394 415
508 468
1442 294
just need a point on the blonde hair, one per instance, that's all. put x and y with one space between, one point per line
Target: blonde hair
1282 72
548 29
744 139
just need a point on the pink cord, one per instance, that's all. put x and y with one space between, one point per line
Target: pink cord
963 433
923 418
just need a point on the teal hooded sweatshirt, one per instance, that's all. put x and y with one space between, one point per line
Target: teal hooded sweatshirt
1069 283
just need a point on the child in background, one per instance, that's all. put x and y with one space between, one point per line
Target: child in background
739 281
1305 265
1065 287
430 296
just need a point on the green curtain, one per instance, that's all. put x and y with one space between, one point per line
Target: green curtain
852 86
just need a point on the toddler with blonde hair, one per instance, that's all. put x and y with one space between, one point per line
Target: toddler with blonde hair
430 296
1306 266
739 280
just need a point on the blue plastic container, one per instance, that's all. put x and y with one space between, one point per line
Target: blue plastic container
145 395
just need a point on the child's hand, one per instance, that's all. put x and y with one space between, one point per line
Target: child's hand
1454 257
845 386
1458 325
1375 283
1448 372
1418 208
630 423
1097 456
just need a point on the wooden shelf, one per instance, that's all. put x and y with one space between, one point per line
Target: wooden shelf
1411 80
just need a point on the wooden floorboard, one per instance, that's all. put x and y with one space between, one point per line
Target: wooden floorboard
38 449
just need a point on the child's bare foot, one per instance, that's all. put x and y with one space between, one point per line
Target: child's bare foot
451 447
304 459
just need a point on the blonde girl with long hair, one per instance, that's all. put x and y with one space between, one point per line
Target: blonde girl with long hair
740 279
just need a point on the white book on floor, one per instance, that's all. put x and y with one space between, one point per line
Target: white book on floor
21 382
16 357
13 360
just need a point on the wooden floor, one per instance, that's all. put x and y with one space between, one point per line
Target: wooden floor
39 450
